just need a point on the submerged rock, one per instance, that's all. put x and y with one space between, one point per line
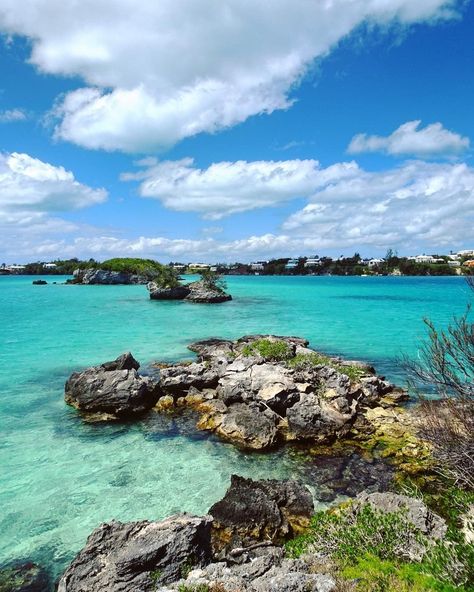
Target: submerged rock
256 511
113 390
139 556
24 577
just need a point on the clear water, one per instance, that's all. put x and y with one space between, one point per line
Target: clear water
60 478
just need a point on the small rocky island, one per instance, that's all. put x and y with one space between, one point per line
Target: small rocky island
163 282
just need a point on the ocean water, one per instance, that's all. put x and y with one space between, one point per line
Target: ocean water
60 477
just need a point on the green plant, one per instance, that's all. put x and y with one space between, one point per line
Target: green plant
186 568
272 350
212 280
155 575
375 575
194 588
313 360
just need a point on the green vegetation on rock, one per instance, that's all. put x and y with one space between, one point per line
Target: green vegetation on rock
313 360
271 350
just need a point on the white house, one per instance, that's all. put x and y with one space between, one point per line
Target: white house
49 265
312 262
374 262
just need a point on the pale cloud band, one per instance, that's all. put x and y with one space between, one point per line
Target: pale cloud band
410 140
158 72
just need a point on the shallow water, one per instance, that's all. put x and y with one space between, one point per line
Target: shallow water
60 477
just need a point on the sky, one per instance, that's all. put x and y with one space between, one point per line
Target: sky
235 130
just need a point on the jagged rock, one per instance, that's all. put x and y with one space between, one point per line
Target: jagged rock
265 570
249 426
266 400
105 277
253 511
39 282
426 521
23 577
177 380
157 293
311 419
467 522
114 389
208 349
139 556
124 362
200 292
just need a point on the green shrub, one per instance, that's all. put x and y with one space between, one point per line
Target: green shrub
313 360
276 351
375 575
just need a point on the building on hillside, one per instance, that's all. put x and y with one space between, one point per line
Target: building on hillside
466 253
292 264
258 265
312 262
49 265
375 262
469 263
425 259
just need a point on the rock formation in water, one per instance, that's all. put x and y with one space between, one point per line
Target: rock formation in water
24 577
112 390
261 391
106 277
233 549
199 291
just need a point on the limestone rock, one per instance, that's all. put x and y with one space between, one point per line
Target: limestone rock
114 389
253 511
138 556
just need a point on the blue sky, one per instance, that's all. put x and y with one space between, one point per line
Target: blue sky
205 131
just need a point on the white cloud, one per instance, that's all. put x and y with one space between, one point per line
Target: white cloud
12 115
31 190
418 203
410 139
225 188
158 72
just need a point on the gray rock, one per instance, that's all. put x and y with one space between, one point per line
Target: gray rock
139 556
210 349
105 277
253 511
249 426
157 293
281 580
200 292
124 362
310 418
111 390
426 521
177 380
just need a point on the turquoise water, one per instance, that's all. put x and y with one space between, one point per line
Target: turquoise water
60 477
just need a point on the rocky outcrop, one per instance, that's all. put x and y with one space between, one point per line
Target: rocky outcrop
263 390
112 390
105 277
256 511
24 577
199 291
427 522
139 556
157 293
39 282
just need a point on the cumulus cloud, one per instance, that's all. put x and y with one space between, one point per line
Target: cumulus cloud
157 72
226 188
31 190
418 203
410 139
12 115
